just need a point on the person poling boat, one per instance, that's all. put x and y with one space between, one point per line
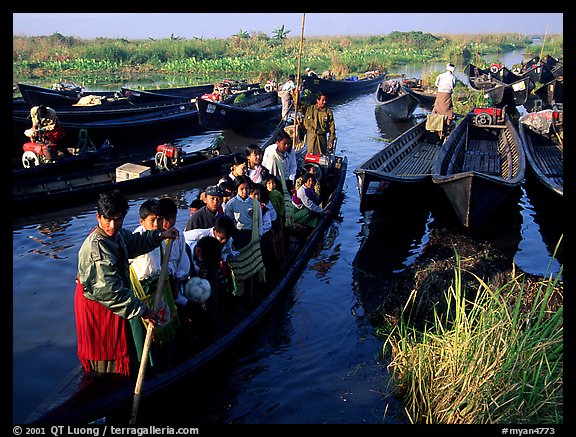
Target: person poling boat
104 300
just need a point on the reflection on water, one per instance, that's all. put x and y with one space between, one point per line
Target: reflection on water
392 129
52 238
391 238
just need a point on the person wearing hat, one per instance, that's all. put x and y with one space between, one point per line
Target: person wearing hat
445 83
206 216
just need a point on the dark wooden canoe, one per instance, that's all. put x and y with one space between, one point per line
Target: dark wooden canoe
399 170
510 95
239 111
551 93
399 105
332 87
82 398
82 187
479 167
82 160
542 137
35 95
83 116
151 95
425 95
111 107
478 78
539 70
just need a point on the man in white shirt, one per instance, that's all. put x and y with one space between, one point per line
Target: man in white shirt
286 95
445 83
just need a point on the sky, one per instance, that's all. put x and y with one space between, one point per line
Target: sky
223 25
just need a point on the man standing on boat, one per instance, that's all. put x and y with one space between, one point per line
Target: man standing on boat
318 121
445 83
286 95
104 301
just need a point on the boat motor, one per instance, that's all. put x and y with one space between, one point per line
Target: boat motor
167 156
38 153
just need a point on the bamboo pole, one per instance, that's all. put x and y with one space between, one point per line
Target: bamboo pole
543 42
150 330
295 134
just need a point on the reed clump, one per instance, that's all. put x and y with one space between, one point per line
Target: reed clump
490 353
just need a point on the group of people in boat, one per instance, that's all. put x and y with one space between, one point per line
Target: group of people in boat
242 218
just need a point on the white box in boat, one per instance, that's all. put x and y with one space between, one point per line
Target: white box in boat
131 171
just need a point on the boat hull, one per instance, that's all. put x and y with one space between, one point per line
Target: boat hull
341 87
230 116
82 398
478 168
400 106
545 157
402 169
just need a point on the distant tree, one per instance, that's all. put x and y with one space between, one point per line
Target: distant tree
280 32
242 34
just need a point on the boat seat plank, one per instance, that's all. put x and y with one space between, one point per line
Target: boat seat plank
482 156
420 161
550 159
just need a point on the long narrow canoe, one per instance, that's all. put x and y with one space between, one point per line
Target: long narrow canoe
479 167
83 398
402 169
240 110
400 105
332 87
543 139
52 192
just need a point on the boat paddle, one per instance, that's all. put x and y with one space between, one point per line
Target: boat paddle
150 330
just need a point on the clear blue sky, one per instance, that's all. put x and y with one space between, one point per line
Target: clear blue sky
223 25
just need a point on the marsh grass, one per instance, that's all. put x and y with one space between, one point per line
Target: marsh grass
253 57
490 359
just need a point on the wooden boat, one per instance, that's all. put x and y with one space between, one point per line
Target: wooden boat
401 169
170 167
182 113
120 107
542 137
57 96
239 110
151 95
482 78
510 95
480 165
82 398
34 165
396 101
351 85
425 95
539 70
552 93
35 95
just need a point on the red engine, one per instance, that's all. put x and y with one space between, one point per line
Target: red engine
172 152
167 156
487 116
38 153
322 160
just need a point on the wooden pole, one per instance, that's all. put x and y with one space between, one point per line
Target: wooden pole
543 42
150 330
298 87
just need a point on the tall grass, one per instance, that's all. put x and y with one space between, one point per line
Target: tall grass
252 57
485 360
